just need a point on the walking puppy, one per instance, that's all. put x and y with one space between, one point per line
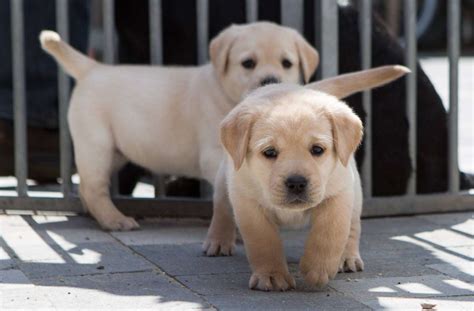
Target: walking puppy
290 164
167 119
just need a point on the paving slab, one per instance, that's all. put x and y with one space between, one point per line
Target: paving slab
60 262
466 252
450 220
382 262
6 262
13 279
89 258
158 233
230 292
397 225
189 259
58 222
444 238
388 241
145 290
52 230
459 303
26 299
370 291
462 271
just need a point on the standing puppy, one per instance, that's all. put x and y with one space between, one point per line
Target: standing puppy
291 163
167 119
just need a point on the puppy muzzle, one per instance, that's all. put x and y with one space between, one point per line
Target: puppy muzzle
269 80
296 189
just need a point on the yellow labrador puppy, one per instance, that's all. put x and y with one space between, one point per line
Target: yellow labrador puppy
290 164
167 119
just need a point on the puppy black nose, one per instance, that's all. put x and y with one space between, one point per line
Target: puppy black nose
296 184
269 80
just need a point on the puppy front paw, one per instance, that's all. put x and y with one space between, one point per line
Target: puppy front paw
274 281
223 246
351 264
317 273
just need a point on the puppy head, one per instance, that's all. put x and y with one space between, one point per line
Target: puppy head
246 57
291 140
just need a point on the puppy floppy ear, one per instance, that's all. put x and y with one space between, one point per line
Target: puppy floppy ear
347 131
308 56
235 133
220 47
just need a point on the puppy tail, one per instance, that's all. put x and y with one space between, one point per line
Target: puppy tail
347 84
74 63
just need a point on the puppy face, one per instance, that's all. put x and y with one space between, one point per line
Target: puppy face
291 143
246 57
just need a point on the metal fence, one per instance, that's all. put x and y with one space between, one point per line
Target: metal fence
326 29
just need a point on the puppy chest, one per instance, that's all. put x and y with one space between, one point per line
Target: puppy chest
291 219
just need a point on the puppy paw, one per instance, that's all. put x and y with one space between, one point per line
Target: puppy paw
318 273
276 281
351 264
219 246
120 224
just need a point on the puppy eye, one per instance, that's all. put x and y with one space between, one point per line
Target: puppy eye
316 150
286 63
270 153
249 64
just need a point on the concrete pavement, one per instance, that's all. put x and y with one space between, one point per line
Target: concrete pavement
66 262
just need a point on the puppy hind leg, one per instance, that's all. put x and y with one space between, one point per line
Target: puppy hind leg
221 234
351 260
95 164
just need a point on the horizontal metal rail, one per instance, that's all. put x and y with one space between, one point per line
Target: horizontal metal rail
165 207
179 207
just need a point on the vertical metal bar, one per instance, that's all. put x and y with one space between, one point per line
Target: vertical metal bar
156 57
292 14
410 59
454 18
202 30
108 20
202 11
109 31
62 25
156 33
327 25
19 96
160 186
251 10
365 24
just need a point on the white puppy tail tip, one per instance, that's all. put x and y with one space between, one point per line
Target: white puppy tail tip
49 39
402 69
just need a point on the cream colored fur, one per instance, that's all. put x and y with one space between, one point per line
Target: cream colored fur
292 120
167 119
